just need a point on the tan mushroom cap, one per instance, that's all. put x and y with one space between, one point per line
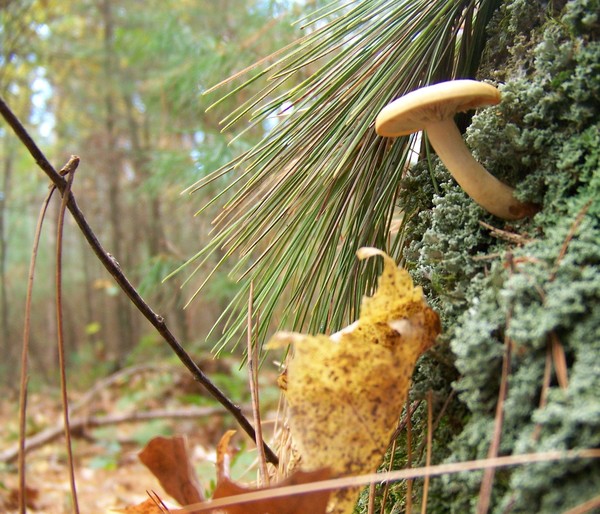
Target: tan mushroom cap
415 110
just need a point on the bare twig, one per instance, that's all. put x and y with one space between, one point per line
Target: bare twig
60 332
371 504
567 241
25 355
511 237
84 422
544 392
560 360
113 268
108 381
253 379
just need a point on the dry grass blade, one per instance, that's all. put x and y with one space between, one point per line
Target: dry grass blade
409 459
587 506
25 355
560 361
60 332
404 422
253 362
485 491
435 470
429 446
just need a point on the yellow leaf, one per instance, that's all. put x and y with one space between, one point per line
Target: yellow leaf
347 390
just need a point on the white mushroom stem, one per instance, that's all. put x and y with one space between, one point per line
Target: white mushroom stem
489 192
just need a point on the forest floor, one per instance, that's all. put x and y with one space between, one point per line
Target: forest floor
108 473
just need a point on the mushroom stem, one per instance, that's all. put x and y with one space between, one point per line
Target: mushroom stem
489 192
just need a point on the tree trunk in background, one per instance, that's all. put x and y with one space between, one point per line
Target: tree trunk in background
8 346
124 341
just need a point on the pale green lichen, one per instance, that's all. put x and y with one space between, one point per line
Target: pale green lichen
543 138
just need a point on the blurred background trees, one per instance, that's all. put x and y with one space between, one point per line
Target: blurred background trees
119 84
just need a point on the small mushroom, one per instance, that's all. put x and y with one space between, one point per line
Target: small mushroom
432 109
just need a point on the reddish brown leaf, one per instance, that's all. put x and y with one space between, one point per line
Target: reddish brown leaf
306 503
168 460
147 507
313 503
13 498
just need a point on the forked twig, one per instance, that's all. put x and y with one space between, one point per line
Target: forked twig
113 268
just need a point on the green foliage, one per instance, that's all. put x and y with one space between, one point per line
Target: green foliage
327 183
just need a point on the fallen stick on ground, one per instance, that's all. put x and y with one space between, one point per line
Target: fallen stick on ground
78 424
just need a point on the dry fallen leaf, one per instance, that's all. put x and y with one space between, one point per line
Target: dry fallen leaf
308 503
147 507
346 391
167 458
12 502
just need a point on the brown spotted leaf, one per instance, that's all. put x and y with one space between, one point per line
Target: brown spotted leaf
346 391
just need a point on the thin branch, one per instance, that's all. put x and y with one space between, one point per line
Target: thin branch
371 504
505 235
112 266
570 236
106 382
86 422
60 331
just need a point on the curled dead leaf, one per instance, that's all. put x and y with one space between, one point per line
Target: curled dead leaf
168 459
313 503
346 391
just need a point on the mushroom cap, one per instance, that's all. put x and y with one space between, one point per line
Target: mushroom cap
413 111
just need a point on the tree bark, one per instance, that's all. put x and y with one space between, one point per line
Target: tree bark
7 347
125 338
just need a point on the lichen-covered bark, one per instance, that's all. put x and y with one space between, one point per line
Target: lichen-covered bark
537 283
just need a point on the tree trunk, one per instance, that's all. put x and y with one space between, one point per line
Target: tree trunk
124 340
7 346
